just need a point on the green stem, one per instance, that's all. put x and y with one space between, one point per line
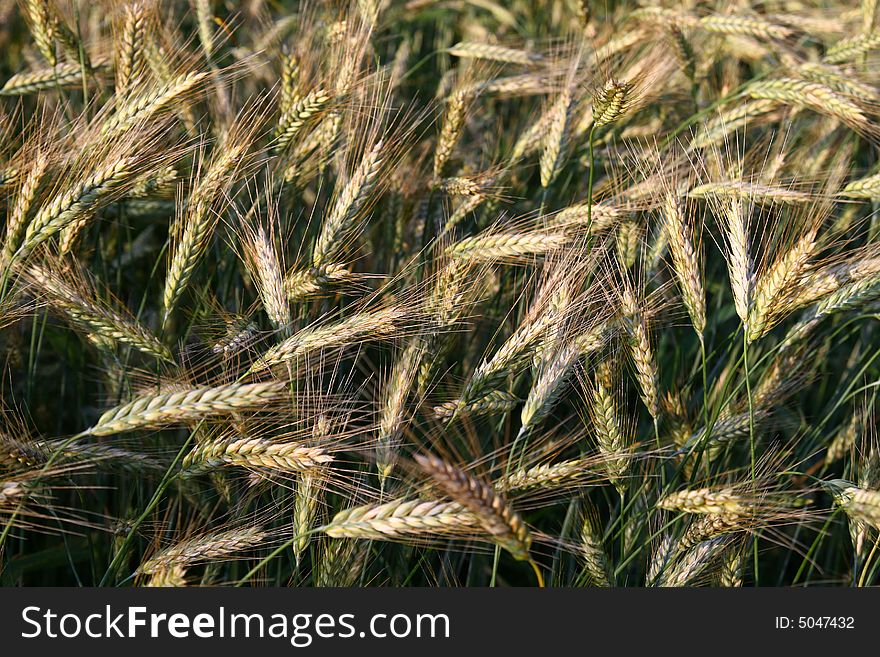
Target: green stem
705 382
751 403
751 434
82 59
495 561
590 180
279 550
170 475
10 521
863 580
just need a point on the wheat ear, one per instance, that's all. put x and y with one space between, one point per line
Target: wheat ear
303 284
255 453
76 203
555 143
298 114
94 316
66 76
606 419
745 26
548 386
550 477
685 261
847 50
642 353
775 284
450 131
368 325
693 563
129 51
151 102
473 50
592 551
739 263
403 518
506 246
503 525
198 221
42 29
707 501
305 510
393 415
206 548
817 97
186 405
27 193
860 504
265 267
493 402
339 225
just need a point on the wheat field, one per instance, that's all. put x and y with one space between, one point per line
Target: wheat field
439 293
